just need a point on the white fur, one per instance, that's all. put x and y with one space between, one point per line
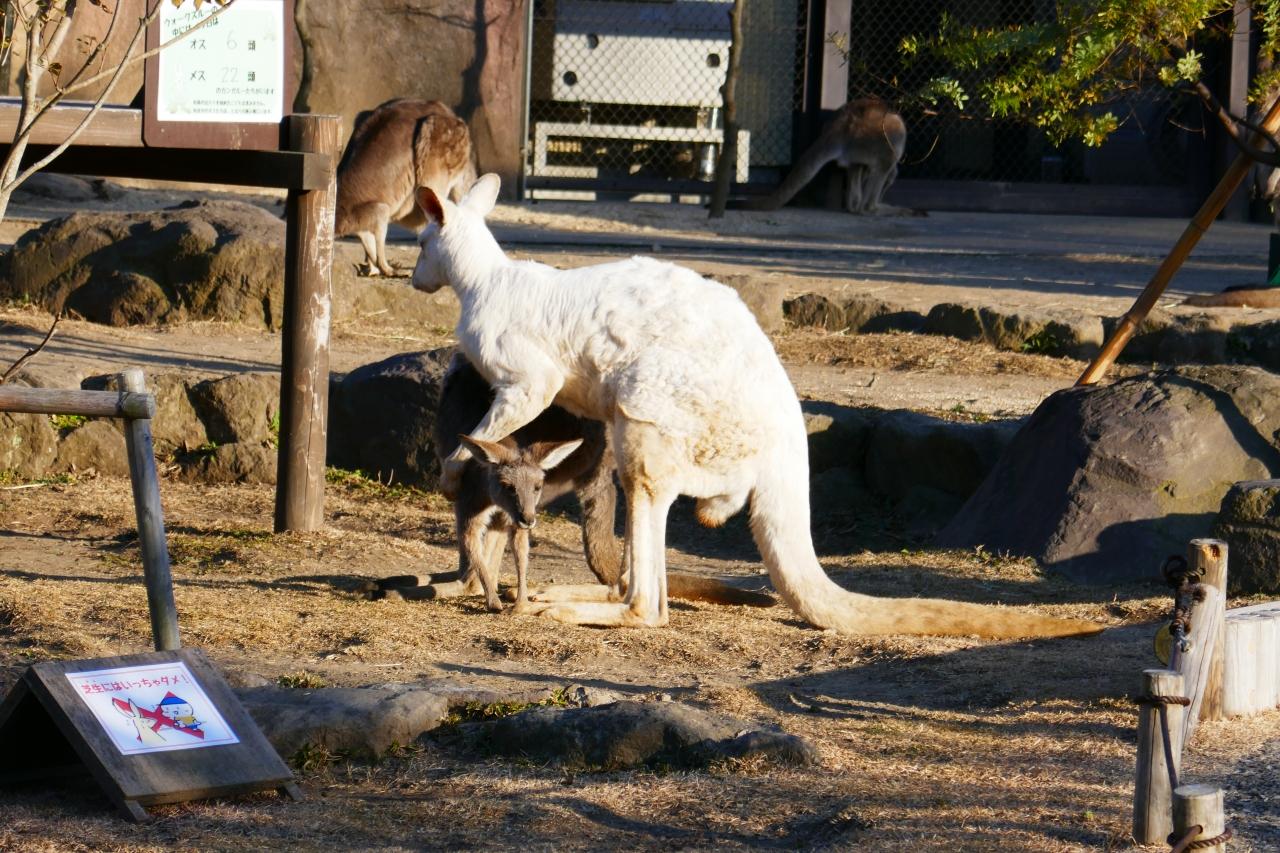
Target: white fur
678 367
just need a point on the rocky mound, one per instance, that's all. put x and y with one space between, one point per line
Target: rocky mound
215 260
1102 483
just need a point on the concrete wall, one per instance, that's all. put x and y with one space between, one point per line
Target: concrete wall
467 53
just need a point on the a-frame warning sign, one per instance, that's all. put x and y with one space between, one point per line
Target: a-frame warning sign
153 728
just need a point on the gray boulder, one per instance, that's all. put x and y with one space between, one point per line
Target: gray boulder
239 408
908 449
381 416
176 426
634 734
1103 482
96 445
239 462
28 444
1250 523
837 435
358 721
1036 331
215 260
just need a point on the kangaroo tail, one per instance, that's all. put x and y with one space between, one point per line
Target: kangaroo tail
694 588
810 163
780 523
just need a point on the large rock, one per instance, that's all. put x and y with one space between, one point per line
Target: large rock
176 427
360 721
1250 523
381 416
97 445
1103 482
1050 333
243 407
907 449
634 734
214 260
28 444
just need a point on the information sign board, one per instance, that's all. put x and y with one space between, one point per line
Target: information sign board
225 85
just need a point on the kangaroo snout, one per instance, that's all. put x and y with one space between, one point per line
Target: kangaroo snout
527 522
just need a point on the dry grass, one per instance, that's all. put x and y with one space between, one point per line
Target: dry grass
920 353
927 743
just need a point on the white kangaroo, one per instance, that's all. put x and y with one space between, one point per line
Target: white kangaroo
698 404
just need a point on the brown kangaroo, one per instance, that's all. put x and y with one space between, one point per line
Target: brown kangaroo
867 139
394 148
482 518
514 478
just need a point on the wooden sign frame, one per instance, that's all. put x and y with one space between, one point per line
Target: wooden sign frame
48 730
239 135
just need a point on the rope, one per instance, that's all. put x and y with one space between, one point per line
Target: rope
1186 591
1161 700
1162 703
1179 845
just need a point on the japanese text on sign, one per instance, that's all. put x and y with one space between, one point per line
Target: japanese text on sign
230 70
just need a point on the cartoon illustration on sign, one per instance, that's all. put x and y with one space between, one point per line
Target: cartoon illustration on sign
173 716
152 708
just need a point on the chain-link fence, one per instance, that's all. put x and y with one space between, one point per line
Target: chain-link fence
626 94
1162 132
624 91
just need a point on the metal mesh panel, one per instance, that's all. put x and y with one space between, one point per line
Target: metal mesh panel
626 89
1161 135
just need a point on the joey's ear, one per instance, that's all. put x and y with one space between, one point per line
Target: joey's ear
483 194
430 205
551 455
491 451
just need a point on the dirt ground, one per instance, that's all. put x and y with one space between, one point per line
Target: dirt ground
926 743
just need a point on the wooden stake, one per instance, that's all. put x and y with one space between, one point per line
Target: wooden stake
1199 805
146 504
304 373
1199 224
1208 557
1152 793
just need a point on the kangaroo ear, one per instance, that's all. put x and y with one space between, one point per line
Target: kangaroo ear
551 455
429 204
483 194
491 451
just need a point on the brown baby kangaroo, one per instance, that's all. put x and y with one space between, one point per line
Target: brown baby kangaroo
514 479
483 518
395 148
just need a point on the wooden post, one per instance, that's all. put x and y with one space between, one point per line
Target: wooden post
146 504
1208 557
1251 663
1198 805
726 165
1152 793
304 372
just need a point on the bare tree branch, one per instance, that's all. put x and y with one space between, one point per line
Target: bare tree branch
1232 124
32 352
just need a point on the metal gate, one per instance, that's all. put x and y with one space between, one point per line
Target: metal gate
625 95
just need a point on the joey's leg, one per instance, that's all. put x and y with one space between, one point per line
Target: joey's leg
520 547
495 540
472 556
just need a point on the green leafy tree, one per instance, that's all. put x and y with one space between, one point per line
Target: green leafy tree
1071 76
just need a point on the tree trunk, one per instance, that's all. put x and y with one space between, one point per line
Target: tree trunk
726 165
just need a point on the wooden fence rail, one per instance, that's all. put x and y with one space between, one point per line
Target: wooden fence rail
136 407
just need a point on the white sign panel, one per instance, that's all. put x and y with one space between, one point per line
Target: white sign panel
152 708
230 70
